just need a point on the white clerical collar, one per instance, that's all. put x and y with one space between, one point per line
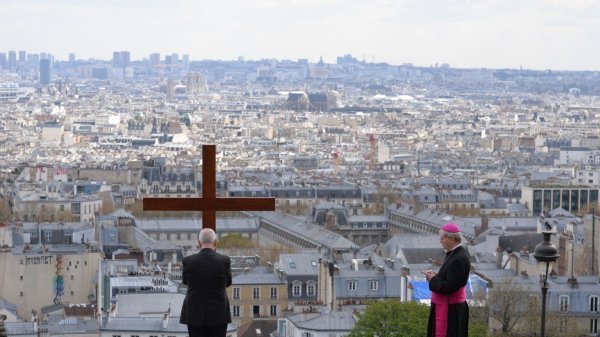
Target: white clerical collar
458 245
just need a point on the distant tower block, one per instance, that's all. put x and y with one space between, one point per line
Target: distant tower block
196 83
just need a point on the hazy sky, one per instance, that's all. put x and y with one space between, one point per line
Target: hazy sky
535 34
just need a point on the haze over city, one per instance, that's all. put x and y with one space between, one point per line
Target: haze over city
557 35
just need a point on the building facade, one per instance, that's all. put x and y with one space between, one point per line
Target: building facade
570 198
257 296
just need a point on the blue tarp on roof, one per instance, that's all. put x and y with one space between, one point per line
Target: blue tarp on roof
475 285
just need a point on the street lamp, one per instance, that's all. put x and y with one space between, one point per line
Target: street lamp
545 254
2 328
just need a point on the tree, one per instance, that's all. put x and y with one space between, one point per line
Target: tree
560 324
519 311
509 313
235 241
272 253
478 314
392 318
108 206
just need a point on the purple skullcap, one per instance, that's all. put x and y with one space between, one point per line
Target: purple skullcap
451 228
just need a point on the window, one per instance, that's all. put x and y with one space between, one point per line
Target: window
236 293
296 290
310 289
563 303
373 285
594 326
593 303
255 293
273 292
273 310
236 311
352 285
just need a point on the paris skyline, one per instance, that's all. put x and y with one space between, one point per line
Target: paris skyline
537 34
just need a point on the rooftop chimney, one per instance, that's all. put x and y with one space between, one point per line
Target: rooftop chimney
166 318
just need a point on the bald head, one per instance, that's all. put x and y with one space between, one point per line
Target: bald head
207 238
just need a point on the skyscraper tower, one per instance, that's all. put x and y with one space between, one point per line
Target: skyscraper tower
154 59
12 59
174 62
45 72
125 59
168 63
116 60
22 57
72 57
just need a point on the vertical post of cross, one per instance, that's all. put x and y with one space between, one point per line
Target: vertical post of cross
209 184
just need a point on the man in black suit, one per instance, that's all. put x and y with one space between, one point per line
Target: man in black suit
449 311
207 274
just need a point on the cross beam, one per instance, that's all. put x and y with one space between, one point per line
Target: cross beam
209 204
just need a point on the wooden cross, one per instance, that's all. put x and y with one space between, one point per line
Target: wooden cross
209 204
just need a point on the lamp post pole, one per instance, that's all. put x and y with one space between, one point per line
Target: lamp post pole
544 292
545 254
593 237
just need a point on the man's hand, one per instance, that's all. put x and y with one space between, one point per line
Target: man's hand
429 274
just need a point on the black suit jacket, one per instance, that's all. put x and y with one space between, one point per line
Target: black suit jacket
207 274
453 274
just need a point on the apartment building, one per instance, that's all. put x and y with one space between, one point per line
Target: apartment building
257 294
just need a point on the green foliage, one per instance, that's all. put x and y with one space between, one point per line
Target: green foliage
235 241
477 329
392 318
